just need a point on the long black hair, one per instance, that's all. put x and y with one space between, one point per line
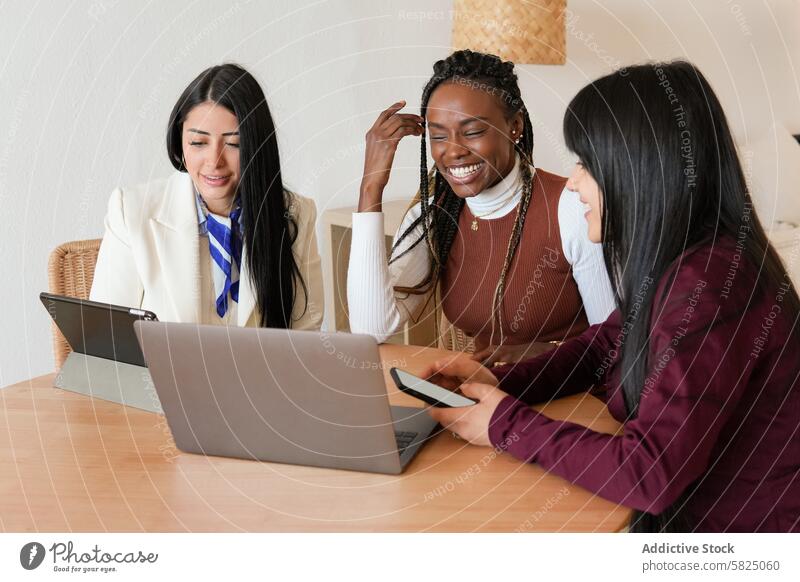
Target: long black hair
269 228
656 140
439 205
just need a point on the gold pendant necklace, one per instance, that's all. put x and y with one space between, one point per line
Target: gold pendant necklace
476 217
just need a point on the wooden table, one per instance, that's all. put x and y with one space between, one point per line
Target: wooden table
70 463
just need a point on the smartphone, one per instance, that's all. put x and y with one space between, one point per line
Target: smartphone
428 392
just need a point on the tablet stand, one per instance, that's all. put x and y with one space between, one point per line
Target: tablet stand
109 380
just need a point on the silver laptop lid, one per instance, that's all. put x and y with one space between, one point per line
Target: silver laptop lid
295 397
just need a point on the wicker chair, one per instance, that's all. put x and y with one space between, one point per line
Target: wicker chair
70 272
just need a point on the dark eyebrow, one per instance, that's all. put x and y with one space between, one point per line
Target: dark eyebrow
464 122
227 134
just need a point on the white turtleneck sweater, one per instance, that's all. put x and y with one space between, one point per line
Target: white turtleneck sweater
376 309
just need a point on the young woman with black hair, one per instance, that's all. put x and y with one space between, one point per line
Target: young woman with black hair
500 242
220 241
700 356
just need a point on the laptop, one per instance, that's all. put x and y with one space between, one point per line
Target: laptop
297 397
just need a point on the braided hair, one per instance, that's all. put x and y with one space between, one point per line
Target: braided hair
440 207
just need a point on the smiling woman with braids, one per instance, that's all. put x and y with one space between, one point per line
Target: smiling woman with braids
502 242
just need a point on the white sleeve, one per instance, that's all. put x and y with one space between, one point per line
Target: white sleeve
586 258
116 279
375 308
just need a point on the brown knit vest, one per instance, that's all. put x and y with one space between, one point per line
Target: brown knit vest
541 300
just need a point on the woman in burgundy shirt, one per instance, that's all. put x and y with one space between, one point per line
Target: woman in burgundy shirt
700 359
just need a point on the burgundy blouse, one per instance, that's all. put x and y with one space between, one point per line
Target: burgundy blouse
719 412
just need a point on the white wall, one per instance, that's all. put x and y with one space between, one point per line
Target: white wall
86 88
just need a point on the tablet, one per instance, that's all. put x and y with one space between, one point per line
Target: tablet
98 329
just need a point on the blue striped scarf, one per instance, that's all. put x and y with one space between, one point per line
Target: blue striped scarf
225 247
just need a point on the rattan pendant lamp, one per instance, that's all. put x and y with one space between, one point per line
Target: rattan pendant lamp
522 31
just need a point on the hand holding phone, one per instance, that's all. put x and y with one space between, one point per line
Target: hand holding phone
428 392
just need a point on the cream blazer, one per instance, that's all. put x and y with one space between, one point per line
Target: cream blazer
150 258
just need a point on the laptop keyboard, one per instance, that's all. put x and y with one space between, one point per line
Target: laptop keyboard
404 439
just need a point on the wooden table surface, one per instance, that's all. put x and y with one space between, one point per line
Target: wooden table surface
71 463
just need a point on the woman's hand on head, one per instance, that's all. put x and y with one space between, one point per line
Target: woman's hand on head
453 371
382 139
471 423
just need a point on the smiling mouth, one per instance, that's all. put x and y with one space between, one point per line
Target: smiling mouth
216 180
462 172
